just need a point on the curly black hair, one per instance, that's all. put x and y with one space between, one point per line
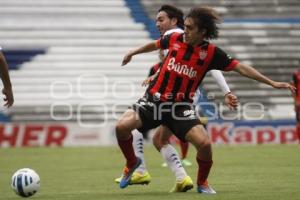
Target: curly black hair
206 19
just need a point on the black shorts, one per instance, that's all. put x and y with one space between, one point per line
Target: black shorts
178 117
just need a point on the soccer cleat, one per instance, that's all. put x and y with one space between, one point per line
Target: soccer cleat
183 186
141 179
118 180
186 162
164 164
137 179
127 173
206 189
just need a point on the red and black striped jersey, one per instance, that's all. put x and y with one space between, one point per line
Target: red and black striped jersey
154 68
185 67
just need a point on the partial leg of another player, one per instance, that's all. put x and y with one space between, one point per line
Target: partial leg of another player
183 182
140 175
184 147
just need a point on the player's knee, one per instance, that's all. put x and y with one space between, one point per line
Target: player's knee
206 142
122 128
203 144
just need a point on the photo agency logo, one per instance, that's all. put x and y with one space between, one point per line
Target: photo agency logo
93 100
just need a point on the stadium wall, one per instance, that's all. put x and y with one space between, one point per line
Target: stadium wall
138 13
72 134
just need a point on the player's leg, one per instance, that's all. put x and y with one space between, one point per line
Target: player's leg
128 122
184 147
187 127
199 138
138 146
159 140
141 117
168 152
141 175
170 155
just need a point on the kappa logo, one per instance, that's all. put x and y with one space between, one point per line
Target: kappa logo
202 54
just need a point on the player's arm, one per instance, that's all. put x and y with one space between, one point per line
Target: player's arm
224 62
230 99
162 43
152 46
7 88
252 73
150 78
218 76
153 73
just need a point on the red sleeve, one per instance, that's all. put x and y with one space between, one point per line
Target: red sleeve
154 69
232 65
165 41
158 43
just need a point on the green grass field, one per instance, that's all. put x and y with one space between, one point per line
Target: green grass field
239 173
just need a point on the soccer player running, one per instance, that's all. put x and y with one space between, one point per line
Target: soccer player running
7 88
169 20
168 99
